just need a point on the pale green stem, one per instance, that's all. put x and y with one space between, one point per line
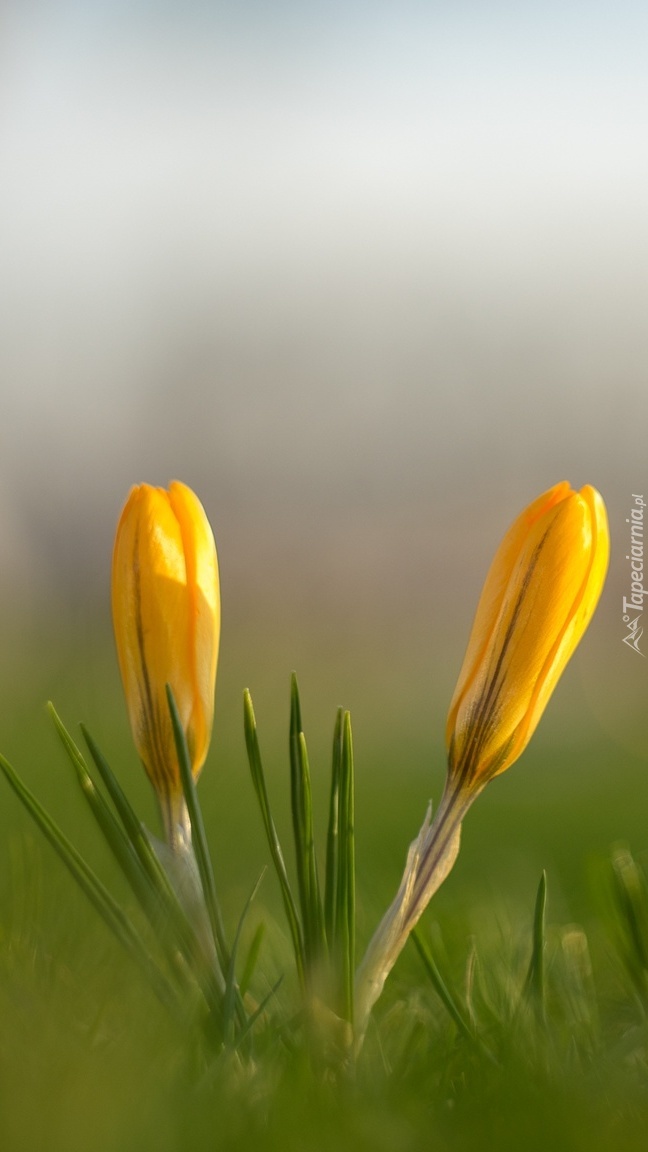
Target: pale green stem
177 857
429 860
175 820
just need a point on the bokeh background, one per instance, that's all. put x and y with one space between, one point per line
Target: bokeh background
369 277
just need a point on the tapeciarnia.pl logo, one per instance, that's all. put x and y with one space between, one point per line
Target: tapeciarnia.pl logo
633 604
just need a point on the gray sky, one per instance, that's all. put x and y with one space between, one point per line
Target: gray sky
362 274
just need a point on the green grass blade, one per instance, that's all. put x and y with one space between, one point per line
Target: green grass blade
96 892
440 986
258 780
332 837
315 931
231 990
345 913
198 836
132 825
630 893
251 1021
174 918
113 833
535 982
299 817
251 960
469 997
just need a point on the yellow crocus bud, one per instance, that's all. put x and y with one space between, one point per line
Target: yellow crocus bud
538 598
166 616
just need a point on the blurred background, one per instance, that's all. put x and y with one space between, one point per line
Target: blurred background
369 277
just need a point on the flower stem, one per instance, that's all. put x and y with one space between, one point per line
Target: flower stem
429 860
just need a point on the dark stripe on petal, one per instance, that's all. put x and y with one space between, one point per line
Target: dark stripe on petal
159 770
484 716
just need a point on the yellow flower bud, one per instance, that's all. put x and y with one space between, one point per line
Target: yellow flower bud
166 616
539 597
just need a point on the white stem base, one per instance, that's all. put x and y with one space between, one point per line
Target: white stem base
429 860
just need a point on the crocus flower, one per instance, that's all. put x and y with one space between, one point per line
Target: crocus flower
538 598
166 616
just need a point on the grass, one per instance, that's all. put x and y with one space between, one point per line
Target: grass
528 1028
89 1058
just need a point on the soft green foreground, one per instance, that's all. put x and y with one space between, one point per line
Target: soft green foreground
89 1059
